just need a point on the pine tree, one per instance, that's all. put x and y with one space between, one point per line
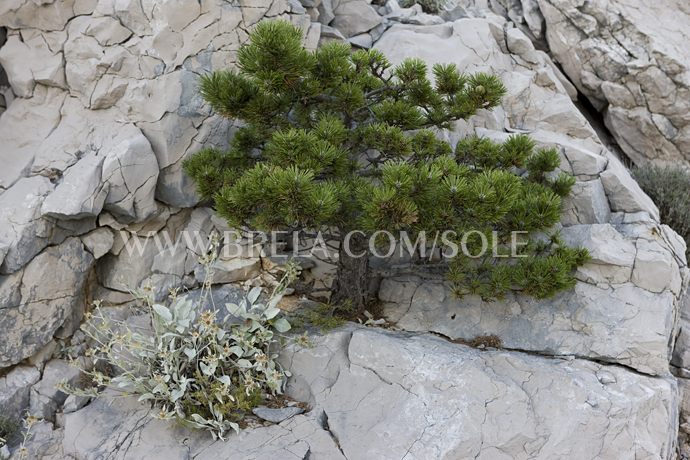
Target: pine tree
341 139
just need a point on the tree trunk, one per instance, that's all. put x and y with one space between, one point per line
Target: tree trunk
355 285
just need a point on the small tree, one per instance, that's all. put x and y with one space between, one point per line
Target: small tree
341 139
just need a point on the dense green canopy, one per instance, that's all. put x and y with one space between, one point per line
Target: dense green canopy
342 139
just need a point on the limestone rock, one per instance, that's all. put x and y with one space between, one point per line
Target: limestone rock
73 403
413 15
233 270
586 204
97 430
50 295
171 140
19 145
43 15
630 65
475 45
612 255
329 33
126 270
107 31
654 270
354 17
572 323
131 170
131 15
362 41
325 10
45 443
276 415
81 192
600 215
99 242
389 395
624 193
23 232
15 388
46 399
28 60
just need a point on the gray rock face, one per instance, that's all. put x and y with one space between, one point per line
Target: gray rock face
45 296
15 388
624 193
23 232
617 54
46 399
390 396
81 193
131 171
573 323
109 92
19 146
277 415
354 17
97 431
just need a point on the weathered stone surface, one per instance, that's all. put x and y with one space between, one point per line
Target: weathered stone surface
44 443
586 204
81 192
98 430
23 232
126 270
73 403
573 323
612 256
277 415
131 171
624 193
390 396
413 15
230 271
354 17
46 295
19 144
46 399
15 388
325 10
113 85
28 60
43 15
99 242
475 44
616 54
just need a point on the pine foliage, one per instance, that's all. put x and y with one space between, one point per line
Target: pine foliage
346 140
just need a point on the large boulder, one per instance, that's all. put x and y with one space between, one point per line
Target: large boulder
354 17
389 395
625 304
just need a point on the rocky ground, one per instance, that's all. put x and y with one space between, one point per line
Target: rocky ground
103 108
